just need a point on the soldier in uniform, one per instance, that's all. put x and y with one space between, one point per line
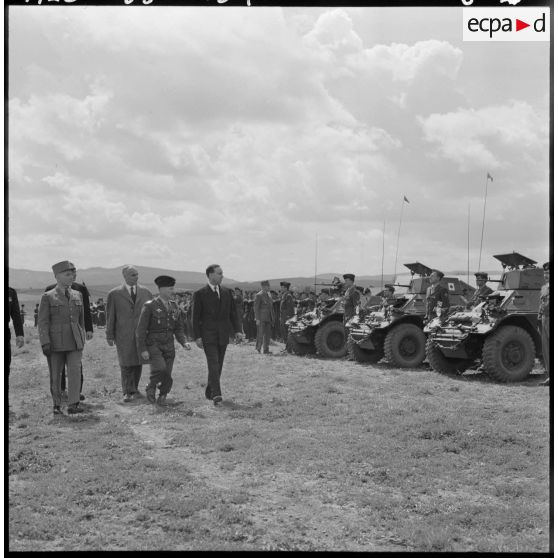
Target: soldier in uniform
62 335
158 324
437 296
238 302
544 321
351 298
264 313
482 290
286 308
14 315
276 326
36 315
88 320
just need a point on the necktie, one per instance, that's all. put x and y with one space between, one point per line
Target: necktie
133 292
216 289
67 293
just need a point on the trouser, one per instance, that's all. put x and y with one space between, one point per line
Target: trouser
63 378
161 360
285 329
130 376
545 342
264 334
72 361
215 356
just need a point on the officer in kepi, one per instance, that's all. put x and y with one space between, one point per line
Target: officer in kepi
482 290
544 321
351 298
159 324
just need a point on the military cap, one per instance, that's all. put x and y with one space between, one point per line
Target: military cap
265 283
481 275
165 281
285 284
349 276
62 266
325 291
547 266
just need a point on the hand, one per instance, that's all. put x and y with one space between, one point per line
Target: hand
46 349
110 342
199 342
145 355
238 336
20 341
187 346
257 322
88 335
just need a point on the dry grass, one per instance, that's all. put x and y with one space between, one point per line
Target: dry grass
306 454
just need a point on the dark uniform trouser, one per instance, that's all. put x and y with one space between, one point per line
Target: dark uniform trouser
161 360
130 376
215 355
545 342
264 334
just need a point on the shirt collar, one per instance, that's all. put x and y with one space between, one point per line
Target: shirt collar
212 287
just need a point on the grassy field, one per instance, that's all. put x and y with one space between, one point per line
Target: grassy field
306 454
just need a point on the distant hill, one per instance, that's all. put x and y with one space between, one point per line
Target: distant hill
107 278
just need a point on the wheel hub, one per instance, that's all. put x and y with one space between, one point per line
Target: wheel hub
335 341
512 354
408 347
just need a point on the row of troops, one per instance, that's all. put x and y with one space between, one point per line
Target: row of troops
143 327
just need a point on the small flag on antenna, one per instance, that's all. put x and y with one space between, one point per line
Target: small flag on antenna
489 176
405 199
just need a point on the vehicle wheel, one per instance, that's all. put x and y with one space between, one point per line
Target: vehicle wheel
296 348
405 345
330 340
442 364
509 354
362 355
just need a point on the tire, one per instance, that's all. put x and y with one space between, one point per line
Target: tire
508 354
331 340
405 346
362 355
442 364
296 348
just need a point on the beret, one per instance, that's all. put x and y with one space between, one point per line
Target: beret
349 276
165 281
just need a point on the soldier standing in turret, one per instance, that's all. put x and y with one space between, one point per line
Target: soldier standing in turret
482 290
437 296
544 321
159 323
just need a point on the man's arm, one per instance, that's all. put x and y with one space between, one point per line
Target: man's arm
86 308
141 329
196 314
43 321
234 317
111 318
15 314
257 307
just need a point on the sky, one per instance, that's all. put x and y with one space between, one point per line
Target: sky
273 141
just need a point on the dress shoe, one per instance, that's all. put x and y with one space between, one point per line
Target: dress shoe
150 394
162 400
207 392
56 410
217 400
267 353
137 395
128 398
545 382
81 397
74 408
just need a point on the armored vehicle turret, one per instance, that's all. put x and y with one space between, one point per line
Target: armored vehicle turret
394 330
500 332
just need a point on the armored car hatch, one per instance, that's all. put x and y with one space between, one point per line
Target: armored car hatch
519 273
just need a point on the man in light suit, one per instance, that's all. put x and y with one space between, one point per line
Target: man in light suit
213 316
62 335
265 314
124 304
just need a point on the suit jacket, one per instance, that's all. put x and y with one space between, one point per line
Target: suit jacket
214 318
287 306
263 307
122 319
86 308
13 313
61 322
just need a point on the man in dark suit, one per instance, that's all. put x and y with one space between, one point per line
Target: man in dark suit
263 309
15 316
214 315
88 325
